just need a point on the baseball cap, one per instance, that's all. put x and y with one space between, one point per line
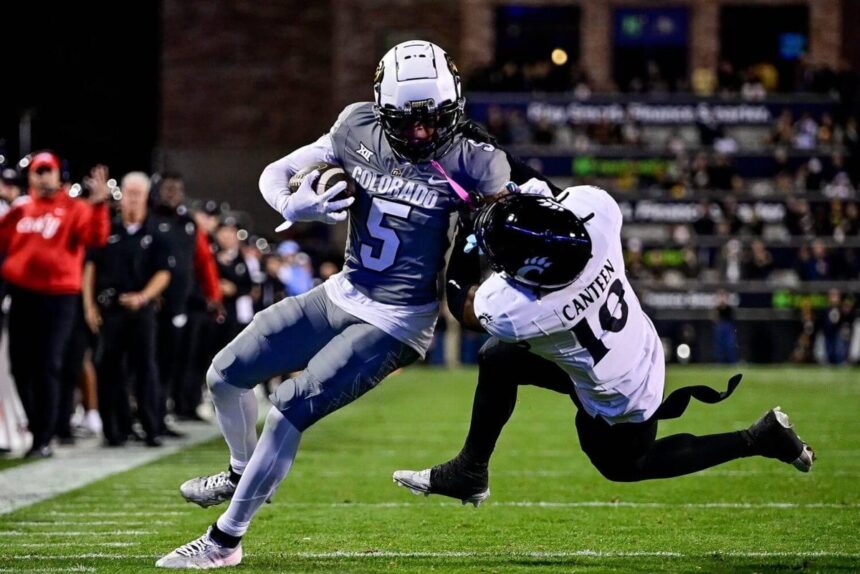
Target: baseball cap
211 207
288 247
44 159
10 176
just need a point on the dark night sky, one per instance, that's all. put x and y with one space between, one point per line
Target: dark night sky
89 72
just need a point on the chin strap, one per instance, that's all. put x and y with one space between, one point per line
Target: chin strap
462 193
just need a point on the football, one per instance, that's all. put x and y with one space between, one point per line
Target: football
330 175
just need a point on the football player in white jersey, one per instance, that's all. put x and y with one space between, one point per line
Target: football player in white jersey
564 317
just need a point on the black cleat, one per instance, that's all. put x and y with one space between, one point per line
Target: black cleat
774 437
40 451
452 478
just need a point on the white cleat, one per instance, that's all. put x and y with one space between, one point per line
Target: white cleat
419 482
202 554
208 491
775 437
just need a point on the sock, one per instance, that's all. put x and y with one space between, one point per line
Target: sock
236 410
221 538
491 409
234 476
270 463
682 454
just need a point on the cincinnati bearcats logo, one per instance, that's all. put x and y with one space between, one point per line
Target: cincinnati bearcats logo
534 265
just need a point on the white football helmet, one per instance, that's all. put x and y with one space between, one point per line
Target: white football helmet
416 82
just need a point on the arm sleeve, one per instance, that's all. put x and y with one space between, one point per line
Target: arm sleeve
274 181
464 271
94 225
205 269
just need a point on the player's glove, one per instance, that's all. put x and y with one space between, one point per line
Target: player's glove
534 186
306 205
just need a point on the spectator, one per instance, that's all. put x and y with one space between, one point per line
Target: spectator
730 261
722 174
297 276
10 189
235 281
783 129
835 325
10 195
759 262
193 257
271 288
725 331
798 218
44 241
815 264
803 351
805 132
124 279
728 80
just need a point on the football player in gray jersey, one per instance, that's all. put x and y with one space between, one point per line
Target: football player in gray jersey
413 171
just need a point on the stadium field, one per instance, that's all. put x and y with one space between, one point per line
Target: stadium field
550 511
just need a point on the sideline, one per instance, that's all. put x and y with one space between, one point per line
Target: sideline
85 462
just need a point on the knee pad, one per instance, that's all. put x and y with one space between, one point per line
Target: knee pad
293 398
225 369
218 383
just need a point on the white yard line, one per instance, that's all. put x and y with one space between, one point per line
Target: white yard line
573 554
586 553
86 462
78 544
65 523
78 533
84 514
66 569
134 509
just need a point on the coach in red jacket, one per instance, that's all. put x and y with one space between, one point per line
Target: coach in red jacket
44 241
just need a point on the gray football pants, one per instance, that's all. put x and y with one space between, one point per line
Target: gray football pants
342 357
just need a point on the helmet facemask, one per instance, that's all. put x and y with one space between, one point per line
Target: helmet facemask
417 83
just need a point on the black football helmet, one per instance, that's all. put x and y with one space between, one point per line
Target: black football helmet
417 82
535 240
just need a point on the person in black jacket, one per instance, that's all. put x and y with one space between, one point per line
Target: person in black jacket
194 265
122 281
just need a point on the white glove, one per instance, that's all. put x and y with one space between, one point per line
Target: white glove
306 205
535 186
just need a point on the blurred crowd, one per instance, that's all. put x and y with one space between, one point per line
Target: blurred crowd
750 83
127 291
777 206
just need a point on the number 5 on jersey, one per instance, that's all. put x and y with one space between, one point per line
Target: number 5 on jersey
377 228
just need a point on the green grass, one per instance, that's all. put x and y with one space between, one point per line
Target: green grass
339 497
10 462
